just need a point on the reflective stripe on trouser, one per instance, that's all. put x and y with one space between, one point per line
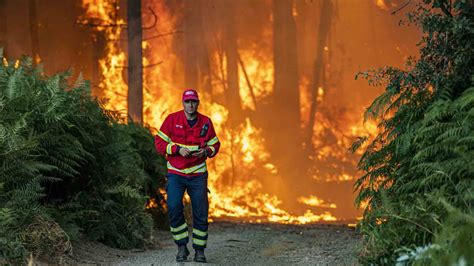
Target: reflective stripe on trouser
199 239
180 233
197 190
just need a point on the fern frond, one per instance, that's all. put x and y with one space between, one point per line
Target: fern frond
12 87
454 132
125 190
377 107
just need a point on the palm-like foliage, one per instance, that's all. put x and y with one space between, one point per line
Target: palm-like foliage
65 159
423 154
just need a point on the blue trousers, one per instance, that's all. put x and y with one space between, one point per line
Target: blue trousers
197 191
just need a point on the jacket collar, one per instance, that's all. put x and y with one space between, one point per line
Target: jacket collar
184 120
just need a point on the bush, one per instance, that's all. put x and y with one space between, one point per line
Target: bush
67 160
421 162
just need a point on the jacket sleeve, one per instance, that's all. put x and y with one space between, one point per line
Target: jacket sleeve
163 143
213 144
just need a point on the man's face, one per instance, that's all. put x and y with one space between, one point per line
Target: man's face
190 106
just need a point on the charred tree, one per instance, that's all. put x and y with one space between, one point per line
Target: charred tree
285 117
191 41
3 26
232 63
196 57
305 24
204 62
98 52
135 65
318 70
34 33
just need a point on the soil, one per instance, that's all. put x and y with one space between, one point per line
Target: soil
239 243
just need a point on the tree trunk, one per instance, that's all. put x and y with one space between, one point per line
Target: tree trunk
318 71
191 42
204 62
286 143
3 28
135 67
232 61
196 57
34 33
98 52
305 24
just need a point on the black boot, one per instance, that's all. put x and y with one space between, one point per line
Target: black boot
199 256
183 253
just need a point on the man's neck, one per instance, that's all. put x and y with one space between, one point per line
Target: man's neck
191 116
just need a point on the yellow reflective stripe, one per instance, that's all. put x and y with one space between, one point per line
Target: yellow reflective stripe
163 136
180 236
199 242
199 232
213 150
168 148
197 167
190 147
213 141
179 228
200 168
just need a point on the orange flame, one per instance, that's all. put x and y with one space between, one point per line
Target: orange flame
152 204
384 4
234 192
315 201
381 4
113 64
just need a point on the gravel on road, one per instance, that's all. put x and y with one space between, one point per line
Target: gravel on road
241 243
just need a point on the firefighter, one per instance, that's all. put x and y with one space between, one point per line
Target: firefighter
187 138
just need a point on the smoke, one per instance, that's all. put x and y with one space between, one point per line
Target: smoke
63 44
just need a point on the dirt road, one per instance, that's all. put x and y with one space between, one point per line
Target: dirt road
238 243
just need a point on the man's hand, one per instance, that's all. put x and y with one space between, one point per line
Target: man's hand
200 154
185 152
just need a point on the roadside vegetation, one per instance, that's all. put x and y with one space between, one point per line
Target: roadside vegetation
69 168
418 184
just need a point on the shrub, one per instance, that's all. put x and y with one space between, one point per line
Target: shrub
423 155
65 159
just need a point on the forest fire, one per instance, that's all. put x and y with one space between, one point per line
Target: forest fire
110 66
246 181
285 123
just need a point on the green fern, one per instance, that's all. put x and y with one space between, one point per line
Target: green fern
64 158
425 147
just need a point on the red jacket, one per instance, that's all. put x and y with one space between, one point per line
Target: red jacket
175 132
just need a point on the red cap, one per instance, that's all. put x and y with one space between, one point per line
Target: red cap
190 95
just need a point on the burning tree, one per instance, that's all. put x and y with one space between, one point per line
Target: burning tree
135 66
3 25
